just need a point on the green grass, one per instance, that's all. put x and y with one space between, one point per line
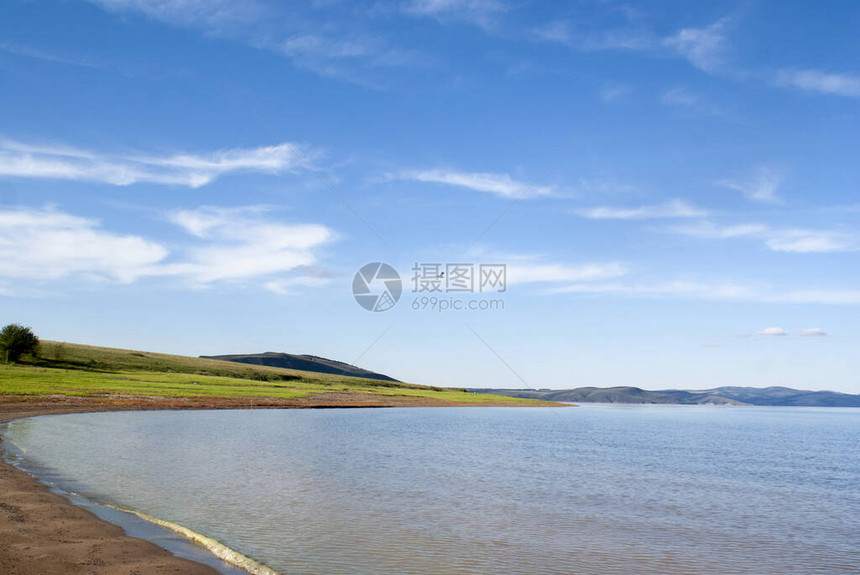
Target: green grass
87 371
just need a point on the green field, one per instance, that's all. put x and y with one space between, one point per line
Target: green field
87 371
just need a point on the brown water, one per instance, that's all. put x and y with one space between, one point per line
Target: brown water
595 489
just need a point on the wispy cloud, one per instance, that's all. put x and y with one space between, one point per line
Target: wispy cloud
812 332
778 240
625 38
682 98
604 187
293 285
779 332
773 331
216 15
675 288
761 187
184 169
812 241
711 231
671 209
524 268
524 273
340 56
235 245
703 47
499 184
706 47
555 31
480 12
679 96
49 56
614 92
713 290
819 296
320 41
820 81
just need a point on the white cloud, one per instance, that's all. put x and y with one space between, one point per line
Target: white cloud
613 92
760 188
819 81
682 98
708 230
194 170
604 187
811 241
812 332
524 268
671 209
679 96
341 56
773 331
241 244
629 37
819 296
47 244
327 48
288 286
480 12
40 54
499 184
792 240
618 39
715 291
197 13
237 245
555 31
616 279
327 43
676 288
703 47
521 273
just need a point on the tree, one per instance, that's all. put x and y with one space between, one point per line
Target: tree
17 340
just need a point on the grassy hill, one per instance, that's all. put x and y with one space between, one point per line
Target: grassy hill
127 376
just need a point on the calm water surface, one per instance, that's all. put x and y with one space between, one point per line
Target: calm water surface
595 489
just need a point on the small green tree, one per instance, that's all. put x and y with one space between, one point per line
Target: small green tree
17 340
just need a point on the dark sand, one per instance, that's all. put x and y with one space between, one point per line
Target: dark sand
42 533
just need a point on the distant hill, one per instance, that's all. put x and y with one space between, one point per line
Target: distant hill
775 396
303 363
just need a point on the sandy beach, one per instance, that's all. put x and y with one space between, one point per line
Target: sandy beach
42 532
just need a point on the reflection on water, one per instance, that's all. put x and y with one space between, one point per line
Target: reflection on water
595 489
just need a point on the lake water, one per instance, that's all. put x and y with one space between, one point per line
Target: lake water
594 489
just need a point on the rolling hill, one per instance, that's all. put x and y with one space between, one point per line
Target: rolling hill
156 380
310 363
773 396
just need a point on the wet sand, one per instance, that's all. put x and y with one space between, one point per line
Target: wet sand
41 532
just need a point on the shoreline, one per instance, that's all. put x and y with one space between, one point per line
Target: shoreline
44 532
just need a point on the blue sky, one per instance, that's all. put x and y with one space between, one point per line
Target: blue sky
672 186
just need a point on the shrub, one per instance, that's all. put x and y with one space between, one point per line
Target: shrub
17 340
